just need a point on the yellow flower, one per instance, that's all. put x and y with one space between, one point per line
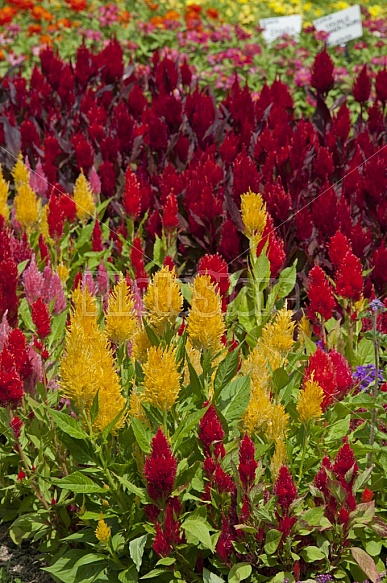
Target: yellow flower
27 207
103 531
43 223
205 321
309 401
136 409
304 329
88 366
161 378
277 424
63 272
4 191
140 344
254 215
278 334
278 459
20 172
120 321
163 299
375 11
194 357
258 411
84 199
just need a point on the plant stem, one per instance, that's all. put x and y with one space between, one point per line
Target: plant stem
303 454
375 391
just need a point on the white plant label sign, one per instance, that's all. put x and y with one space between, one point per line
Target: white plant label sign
342 26
274 28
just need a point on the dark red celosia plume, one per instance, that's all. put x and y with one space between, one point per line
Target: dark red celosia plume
285 489
345 461
161 544
17 345
322 73
160 468
170 220
16 425
247 464
224 546
223 481
41 318
343 373
211 433
96 237
8 287
349 278
216 267
320 295
362 86
131 199
338 247
11 385
381 85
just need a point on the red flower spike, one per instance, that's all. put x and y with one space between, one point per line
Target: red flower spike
17 345
284 489
343 373
224 546
131 199
343 516
21 475
349 278
210 430
247 464
161 544
345 461
320 294
367 495
216 267
96 238
321 367
16 425
338 248
160 468
322 73
362 86
11 386
170 220
223 480
41 318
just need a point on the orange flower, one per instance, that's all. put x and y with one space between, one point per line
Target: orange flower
52 28
34 29
172 15
65 22
46 39
1 55
152 6
77 5
22 4
41 13
157 21
195 8
124 16
6 15
212 13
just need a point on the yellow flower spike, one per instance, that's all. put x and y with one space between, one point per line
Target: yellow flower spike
278 459
4 192
103 531
43 223
84 199
304 329
279 333
136 409
309 402
140 344
20 172
205 321
258 411
163 299
27 207
254 215
63 272
277 425
120 320
88 366
161 378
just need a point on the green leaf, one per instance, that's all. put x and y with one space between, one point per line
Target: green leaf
280 378
286 281
235 398
109 428
339 429
94 407
239 572
226 371
166 561
68 424
209 577
136 550
362 479
273 539
261 270
194 381
129 575
311 554
153 573
142 435
140 492
313 516
366 563
78 483
186 426
199 529
21 266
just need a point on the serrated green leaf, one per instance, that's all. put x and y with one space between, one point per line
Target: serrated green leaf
68 424
136 550
78 483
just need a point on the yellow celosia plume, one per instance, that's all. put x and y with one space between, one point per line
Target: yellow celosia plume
120 320
205 321
84 199
163 299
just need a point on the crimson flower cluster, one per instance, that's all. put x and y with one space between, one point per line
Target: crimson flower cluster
286 493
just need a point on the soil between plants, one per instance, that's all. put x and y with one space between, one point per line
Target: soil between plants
24 562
